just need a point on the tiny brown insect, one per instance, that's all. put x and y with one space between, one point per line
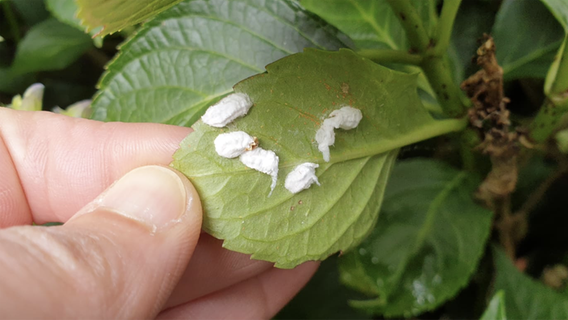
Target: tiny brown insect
253 145
345 88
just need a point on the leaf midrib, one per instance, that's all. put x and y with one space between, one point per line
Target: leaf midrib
436 128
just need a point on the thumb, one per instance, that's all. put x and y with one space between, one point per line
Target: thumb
119 257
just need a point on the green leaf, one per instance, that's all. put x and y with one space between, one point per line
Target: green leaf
496 308
31 11
65 11
556 82
14 84
427 242
473 19
526 298
559 9
50 45
322 298
289 104
556 79
526 37
533 172
115 15
373 25
191 55
370 24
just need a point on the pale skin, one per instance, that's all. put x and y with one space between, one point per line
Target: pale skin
102 264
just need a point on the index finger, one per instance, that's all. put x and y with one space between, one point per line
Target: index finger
52 165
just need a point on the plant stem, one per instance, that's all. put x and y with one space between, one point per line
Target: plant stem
535 197
513 227
548 116
435 67
468 140
14 27
445 26
439 128
98 58
433 16
438 72
506 226
391 56
412 24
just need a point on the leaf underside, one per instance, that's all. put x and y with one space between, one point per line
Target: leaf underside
428 240
191 55
290 102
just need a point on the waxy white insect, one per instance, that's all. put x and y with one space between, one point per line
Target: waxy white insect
227 109
301 177
233 144
265 161
346 118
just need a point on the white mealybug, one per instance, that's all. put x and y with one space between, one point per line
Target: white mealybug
265 161
346 118
233 144
325 137
301 177
227 109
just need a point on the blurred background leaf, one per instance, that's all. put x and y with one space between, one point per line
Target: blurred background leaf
49 45
31 11
66 12
324 297
527 37
115 15
474 18
423 251
526 298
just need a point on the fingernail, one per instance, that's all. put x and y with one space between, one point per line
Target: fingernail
153 195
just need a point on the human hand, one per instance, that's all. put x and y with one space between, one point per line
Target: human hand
131 251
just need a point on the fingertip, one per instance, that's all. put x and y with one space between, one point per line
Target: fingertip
157 196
